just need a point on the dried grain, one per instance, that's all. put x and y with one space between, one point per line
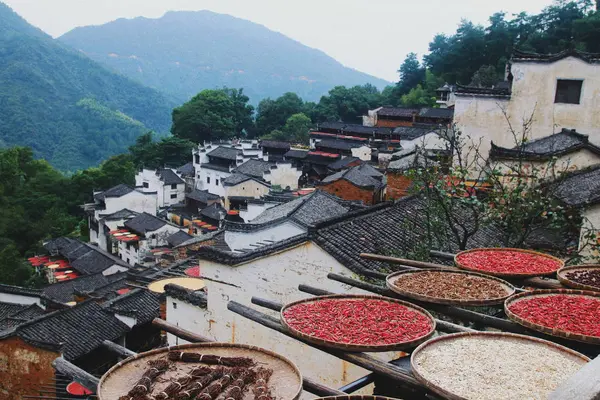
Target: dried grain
495 368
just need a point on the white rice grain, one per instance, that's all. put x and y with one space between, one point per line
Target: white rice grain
495 368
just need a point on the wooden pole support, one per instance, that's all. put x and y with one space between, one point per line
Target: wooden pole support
77 374
120 350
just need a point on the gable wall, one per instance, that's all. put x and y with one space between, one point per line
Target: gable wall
347 191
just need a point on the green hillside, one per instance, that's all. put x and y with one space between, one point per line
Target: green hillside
67 108
185 52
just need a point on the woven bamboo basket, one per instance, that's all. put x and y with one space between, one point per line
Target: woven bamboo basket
356 397
356 347
561 274
560 263
392 278
451 396
285 383
549 331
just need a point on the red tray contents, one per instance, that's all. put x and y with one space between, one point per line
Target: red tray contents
508 262
566 312
368 322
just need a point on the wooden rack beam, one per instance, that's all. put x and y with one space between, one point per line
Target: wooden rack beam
443 326
308 384
363 360
120 350
77 374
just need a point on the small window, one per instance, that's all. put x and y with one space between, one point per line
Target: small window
174 186
208 179
174 196
217 182
174 306
568 91
146 185
197 158
128 261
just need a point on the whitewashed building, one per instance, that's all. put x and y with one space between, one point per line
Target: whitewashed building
170 187
150 232
547 92
274 271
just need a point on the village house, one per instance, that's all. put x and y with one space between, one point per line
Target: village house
446 96
19 305
187 172
344 148
548 93
214 166
197 200
561 152
110 204
240 188
274 271
170 187
399 182
393 117
274 149
74 258
282 173
361 183
81 288
142 234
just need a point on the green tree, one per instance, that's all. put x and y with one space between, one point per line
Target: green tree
168 152
273 114
212 115
486 76
295 130
347 104
411 74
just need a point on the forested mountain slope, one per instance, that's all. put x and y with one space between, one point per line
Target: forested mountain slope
66 107
185 52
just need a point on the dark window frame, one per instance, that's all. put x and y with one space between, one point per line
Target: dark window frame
568 91
208 180
174 186
174 196
146 185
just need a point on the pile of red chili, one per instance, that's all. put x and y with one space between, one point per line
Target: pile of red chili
358 321
508 262
590 277
569 313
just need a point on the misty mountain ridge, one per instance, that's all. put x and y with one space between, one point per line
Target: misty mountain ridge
69 109
184 52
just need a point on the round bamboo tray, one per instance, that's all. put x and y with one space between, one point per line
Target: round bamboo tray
356 397
359 347
285 383
391 279
541 328
451 396
561 274
560 263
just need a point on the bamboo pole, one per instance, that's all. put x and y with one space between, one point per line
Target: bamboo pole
120 350
85 379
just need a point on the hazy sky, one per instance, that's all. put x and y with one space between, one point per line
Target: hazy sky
372 36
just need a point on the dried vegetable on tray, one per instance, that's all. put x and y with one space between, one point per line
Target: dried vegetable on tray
450 287
210 359
572 314
585 277
144 385
508 262
358 323
260 389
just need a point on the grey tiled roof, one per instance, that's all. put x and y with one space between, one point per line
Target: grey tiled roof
338 144
178 237
398 111
255 168
141 304
145 223
64 292
484 92
564 142
416 158
414 132
8 309
20 290
194 297
121 214
361 177
92 262
77 330
398 227
12 315
84 257
343 163
226 153
187 170
519 55
169 177
579 188
202 196
306 210
274 144
440 113
213 211
235 179
116 191
295 153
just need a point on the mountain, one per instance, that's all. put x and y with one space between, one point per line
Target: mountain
185 52
69 109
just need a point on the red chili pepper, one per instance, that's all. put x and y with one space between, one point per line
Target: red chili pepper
567 312
508 261
364 322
